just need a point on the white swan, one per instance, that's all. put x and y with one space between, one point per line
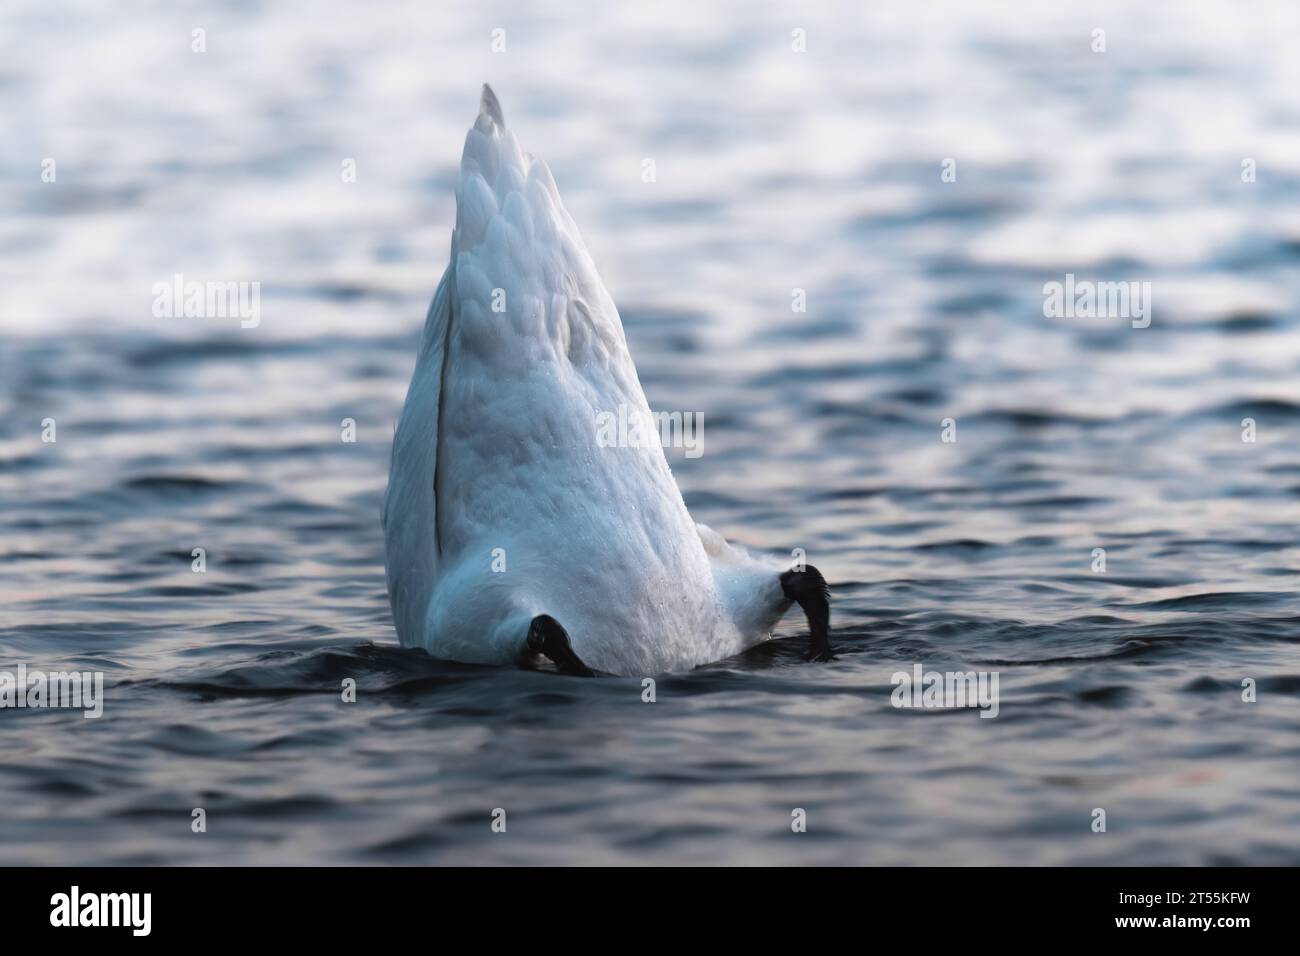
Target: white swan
509 531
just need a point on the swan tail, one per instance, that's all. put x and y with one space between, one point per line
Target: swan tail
490 107
526 282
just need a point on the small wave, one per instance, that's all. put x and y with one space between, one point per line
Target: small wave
1212 600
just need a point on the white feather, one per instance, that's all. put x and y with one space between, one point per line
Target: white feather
497 448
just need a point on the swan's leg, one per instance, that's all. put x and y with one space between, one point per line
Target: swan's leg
808 588
546 636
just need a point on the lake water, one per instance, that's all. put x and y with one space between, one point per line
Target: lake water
774 170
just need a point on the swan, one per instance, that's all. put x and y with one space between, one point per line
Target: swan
511 533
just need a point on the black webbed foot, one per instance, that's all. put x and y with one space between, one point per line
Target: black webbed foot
809 590
547 637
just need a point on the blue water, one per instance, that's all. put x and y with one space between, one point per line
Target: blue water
775 171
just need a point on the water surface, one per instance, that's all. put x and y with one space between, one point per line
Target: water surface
775 171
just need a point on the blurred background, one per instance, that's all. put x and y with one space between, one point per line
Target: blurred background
775 169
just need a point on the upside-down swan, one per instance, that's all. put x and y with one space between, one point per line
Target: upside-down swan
511 530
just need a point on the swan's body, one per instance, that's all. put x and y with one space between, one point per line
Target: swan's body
503 508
